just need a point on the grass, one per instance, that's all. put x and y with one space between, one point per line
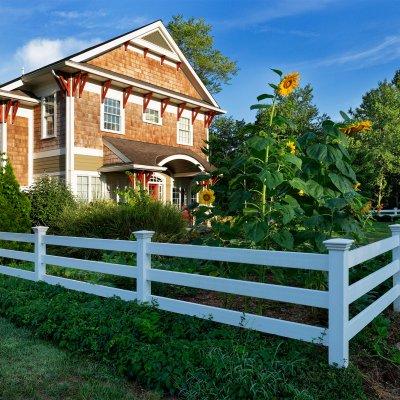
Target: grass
32 369
378 231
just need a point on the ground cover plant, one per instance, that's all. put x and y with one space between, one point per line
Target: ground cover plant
187 356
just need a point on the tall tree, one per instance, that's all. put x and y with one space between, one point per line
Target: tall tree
299 107
193 36
377 152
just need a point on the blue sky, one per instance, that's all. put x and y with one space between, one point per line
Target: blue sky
341 47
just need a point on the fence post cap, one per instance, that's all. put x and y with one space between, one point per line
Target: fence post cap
338 244
395 228
143 234
40 229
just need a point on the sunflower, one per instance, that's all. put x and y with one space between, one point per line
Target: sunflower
292 146
357 186
206 196
301 193
357 127
288 84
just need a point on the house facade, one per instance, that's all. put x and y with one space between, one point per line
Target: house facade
132 103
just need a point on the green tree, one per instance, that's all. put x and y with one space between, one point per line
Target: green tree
376 153
193 36
14 204
299 108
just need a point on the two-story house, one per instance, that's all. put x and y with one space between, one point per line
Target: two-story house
132 103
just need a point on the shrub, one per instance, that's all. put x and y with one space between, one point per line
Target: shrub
106 219
14 204
49 197
178 354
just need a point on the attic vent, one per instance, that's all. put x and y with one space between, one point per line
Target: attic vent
157 39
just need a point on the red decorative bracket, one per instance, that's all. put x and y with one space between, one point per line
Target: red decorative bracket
15 107
9 104
64 83
125 95
162 59
84 79
208 118
104 90
126 44
146 100
178 65
78 83
145 51
181 107
1 112
164 104
195 112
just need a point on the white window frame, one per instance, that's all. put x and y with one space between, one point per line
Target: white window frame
111 96
161 182
152 122
43 120
91 175
190 132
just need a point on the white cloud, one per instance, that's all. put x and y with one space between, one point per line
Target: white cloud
42 51
381 53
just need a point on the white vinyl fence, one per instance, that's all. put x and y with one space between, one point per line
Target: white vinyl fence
337 264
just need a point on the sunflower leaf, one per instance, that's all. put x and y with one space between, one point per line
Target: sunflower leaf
265 96
277 71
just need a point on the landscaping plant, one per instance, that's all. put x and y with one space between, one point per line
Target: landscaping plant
287 192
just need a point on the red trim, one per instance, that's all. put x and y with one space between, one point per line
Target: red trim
181 107
1 113
164 104
104 90
126 44
15 107
76 82
146 100
9 104
208 118
195 112
125 95
145 51
84 79
162 60
62 83
178 65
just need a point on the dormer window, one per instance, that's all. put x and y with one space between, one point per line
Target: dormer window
49 106
152 116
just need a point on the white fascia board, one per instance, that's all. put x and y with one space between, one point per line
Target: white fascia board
13 85
18 97
131 82
124 167
86 151
114 43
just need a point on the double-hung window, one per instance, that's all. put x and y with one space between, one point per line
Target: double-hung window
49 106
152 116
89 188
112 119
83 188
185 131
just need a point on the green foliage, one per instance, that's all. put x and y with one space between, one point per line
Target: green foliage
193 36
286 192
106 219
14 204
49 197
299 108
178 354
378 168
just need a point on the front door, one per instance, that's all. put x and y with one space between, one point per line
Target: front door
154 191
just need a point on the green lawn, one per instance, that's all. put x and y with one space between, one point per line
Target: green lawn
379 230
35 370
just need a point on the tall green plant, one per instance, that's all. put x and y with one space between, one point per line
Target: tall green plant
286 192
14 204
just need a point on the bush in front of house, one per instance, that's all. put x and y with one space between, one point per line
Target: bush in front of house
198 359
109 220
14 205
49 197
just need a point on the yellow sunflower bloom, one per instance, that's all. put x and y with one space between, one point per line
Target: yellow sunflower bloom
288 84
357 186
292 146
357 127
206 197
301 193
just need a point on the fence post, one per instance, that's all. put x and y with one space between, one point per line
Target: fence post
40 251
396 256
143 262
338 300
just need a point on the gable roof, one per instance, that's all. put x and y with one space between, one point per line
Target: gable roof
154 36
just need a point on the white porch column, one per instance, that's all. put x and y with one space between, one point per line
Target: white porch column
70 140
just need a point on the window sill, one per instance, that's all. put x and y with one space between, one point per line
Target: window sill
185 144
153 123
111 131
48 137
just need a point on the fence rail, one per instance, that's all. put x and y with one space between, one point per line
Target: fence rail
336 263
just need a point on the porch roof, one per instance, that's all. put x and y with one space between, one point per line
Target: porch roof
135 154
